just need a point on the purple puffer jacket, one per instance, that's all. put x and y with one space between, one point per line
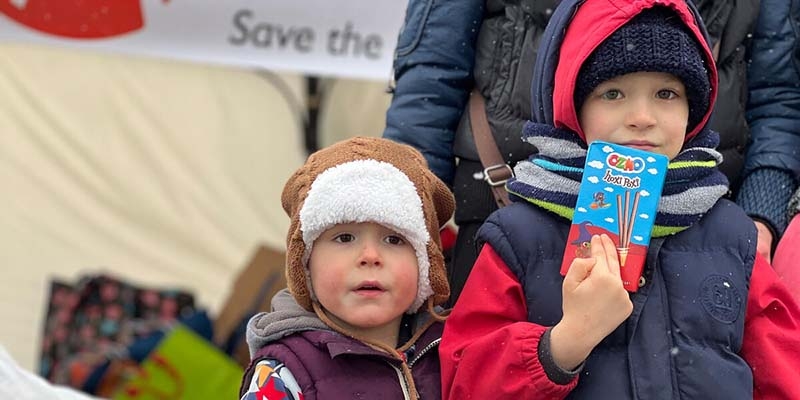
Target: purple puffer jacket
328 365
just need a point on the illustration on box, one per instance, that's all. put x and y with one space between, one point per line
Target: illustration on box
619 195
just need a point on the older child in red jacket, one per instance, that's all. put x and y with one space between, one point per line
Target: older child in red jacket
710 319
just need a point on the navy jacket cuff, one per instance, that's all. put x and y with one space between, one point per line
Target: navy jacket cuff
765 195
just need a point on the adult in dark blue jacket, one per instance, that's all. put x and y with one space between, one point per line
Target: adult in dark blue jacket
772 167
433 60
446 48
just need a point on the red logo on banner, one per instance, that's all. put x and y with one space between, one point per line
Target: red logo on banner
79 19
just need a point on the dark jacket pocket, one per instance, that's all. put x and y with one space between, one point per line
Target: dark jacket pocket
411 32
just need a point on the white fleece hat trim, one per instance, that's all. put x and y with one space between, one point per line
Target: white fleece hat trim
368 191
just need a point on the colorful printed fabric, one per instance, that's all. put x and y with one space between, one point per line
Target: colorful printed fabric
273 381
95 320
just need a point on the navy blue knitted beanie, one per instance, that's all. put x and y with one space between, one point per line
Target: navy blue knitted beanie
656 40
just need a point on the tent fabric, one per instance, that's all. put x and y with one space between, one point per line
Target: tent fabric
162 173
21 384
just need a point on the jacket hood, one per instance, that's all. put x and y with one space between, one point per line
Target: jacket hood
287 317
575 29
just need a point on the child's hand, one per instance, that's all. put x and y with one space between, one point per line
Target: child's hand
764 244
594 304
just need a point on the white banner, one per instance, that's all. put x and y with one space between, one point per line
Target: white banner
349 38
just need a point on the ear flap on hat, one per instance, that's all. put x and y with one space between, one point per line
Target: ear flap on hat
442 204
439 204
296 273
292 197
443 198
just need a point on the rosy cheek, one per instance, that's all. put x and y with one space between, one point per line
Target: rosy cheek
324 282
410 277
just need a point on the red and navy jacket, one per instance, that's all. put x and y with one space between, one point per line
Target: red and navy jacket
711 321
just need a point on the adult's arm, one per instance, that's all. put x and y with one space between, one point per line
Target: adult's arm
772 164
433 65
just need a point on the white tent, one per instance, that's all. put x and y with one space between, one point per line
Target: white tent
163 173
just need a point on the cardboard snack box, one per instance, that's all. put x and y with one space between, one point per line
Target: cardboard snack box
618 196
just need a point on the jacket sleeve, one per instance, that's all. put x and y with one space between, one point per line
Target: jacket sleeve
772 164
433 66
489 349
272 381
771 344
786 255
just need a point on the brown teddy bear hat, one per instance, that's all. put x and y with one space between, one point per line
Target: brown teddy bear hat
368 180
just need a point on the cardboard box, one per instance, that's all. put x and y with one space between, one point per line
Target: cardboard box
619 195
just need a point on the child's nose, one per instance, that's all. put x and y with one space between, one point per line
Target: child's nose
370 255
640 116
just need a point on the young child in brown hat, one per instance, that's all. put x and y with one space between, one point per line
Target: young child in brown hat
365 272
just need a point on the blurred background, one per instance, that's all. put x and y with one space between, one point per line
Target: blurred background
142 160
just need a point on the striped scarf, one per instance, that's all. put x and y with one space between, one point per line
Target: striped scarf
551 178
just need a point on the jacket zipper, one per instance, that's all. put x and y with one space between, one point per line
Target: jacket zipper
422 352
402 379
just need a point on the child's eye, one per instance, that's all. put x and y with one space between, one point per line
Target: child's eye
395 239
666 94
344 238
612 94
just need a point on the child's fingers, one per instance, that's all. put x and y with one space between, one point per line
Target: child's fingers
612 259
598 249
578 271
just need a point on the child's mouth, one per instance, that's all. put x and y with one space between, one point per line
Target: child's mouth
369 288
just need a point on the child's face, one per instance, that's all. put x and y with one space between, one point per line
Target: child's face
364 274
644 110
